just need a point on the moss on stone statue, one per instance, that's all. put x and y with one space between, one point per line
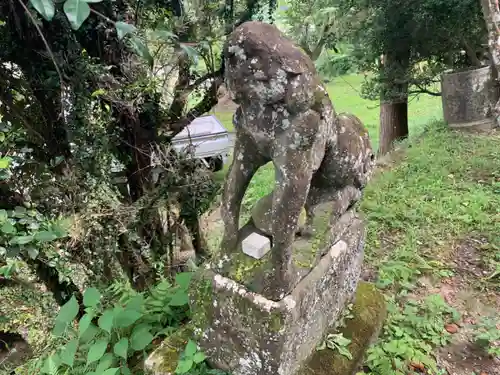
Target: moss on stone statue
201 298
253 273
369 312
163 361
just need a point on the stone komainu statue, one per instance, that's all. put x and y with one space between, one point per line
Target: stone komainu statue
285 116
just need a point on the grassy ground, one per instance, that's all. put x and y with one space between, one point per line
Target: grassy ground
433 244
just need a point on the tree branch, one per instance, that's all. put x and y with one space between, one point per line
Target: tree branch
209 100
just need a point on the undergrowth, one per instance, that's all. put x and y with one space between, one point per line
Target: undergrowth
113 338
445 189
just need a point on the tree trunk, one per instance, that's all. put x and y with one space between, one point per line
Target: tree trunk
491 13
393 124
393 101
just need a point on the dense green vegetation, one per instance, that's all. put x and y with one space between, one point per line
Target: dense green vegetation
100 220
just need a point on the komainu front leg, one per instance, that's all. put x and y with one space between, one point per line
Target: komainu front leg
245 163
289 197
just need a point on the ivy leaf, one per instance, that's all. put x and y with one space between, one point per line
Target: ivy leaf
91 297
77 12
180 298
183 279
105 363
46 8
84 323
121 348
3 216
136 303
141 339
8 228
4 163
123 29
69 352
68 311
184 365
97 350
126 318
51 364
59 328
191 348
89 334
126 371
199 357
106 321
45 236
21 240
32 252
141 50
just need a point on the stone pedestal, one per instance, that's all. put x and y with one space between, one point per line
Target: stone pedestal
467 98
247 334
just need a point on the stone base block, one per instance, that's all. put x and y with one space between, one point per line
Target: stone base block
246 334
481 126
369 313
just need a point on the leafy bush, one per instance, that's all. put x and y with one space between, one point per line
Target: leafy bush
488 335
331 64
412 329
110 339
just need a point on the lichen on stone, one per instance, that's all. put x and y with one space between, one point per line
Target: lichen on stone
369 313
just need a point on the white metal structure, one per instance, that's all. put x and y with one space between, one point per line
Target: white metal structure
207 139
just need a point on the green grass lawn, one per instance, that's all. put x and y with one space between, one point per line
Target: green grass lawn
345 94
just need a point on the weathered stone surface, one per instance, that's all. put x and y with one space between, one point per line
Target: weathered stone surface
247 334
369 312
163 361
285 116
468 98
262 215
258 274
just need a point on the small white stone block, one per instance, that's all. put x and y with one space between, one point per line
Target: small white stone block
256 245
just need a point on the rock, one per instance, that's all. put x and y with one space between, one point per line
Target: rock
369 312
163 361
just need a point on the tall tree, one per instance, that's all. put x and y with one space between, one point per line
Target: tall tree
88 111
491 13
406 45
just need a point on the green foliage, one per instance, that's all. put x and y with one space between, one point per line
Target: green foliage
314 25
111 334
411 331
46 8
419 40
336 341
189 358
331 64
24 232
488 334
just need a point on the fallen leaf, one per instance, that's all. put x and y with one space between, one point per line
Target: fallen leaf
451 328
417 366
